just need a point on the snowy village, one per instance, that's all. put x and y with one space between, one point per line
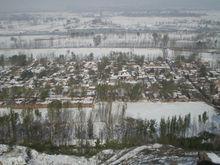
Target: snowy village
110 87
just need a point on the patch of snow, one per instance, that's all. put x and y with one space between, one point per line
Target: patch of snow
156 146
18 156
214 158
106 152
130 154
3 149
45 159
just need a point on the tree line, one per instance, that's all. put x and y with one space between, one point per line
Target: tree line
60 130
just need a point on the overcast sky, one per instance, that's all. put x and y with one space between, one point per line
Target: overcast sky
62 5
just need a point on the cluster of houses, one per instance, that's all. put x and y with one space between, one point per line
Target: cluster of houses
206 80
74 83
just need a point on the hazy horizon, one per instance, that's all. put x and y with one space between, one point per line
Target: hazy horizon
97 5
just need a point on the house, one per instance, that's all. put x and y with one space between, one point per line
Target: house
124 75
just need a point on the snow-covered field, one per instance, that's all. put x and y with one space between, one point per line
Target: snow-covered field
62 21
144 110
155 22
156 111
151 110
209 56
151 53
28 28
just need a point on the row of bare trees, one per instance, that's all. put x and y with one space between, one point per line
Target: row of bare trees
63 127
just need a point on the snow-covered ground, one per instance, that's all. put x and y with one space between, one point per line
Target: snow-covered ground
214 158
147 154
158 110
18 156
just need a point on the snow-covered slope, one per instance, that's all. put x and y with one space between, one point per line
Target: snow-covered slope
147 154
20 156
